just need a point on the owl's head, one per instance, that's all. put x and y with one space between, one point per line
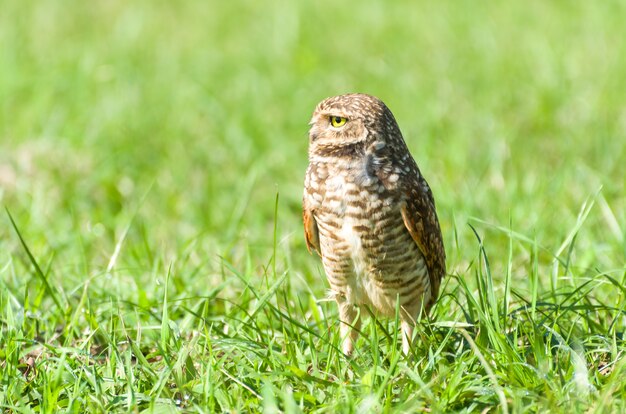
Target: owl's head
348 120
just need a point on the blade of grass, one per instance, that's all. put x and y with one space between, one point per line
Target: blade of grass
40 274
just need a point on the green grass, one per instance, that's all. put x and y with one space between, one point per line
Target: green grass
151 164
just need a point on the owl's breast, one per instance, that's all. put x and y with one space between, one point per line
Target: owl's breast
368 253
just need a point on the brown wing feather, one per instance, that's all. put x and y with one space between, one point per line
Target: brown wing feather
420 219
311 233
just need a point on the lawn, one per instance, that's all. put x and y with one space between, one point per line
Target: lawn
152 156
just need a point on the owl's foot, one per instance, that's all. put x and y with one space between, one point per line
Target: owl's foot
350 322
348 346
407 337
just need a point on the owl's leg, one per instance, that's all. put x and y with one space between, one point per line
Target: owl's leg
408 321
350 323
407 335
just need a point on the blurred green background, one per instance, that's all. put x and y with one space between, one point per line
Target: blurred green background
182 121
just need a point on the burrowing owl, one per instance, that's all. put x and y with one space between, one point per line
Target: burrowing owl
370 215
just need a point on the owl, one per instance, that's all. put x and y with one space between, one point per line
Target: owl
370 214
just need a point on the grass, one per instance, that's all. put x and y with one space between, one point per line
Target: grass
151 164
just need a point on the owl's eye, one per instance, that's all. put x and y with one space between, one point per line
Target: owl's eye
337 121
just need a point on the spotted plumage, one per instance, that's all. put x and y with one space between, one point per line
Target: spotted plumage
370 214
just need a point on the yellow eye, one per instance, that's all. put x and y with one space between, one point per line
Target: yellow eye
338 121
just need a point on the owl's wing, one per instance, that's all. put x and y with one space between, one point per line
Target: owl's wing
421 221
311 233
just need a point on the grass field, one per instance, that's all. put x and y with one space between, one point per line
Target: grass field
152 156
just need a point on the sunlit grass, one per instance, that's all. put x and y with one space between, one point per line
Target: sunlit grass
151 166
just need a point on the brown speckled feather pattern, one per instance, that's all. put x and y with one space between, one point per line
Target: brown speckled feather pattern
369 213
